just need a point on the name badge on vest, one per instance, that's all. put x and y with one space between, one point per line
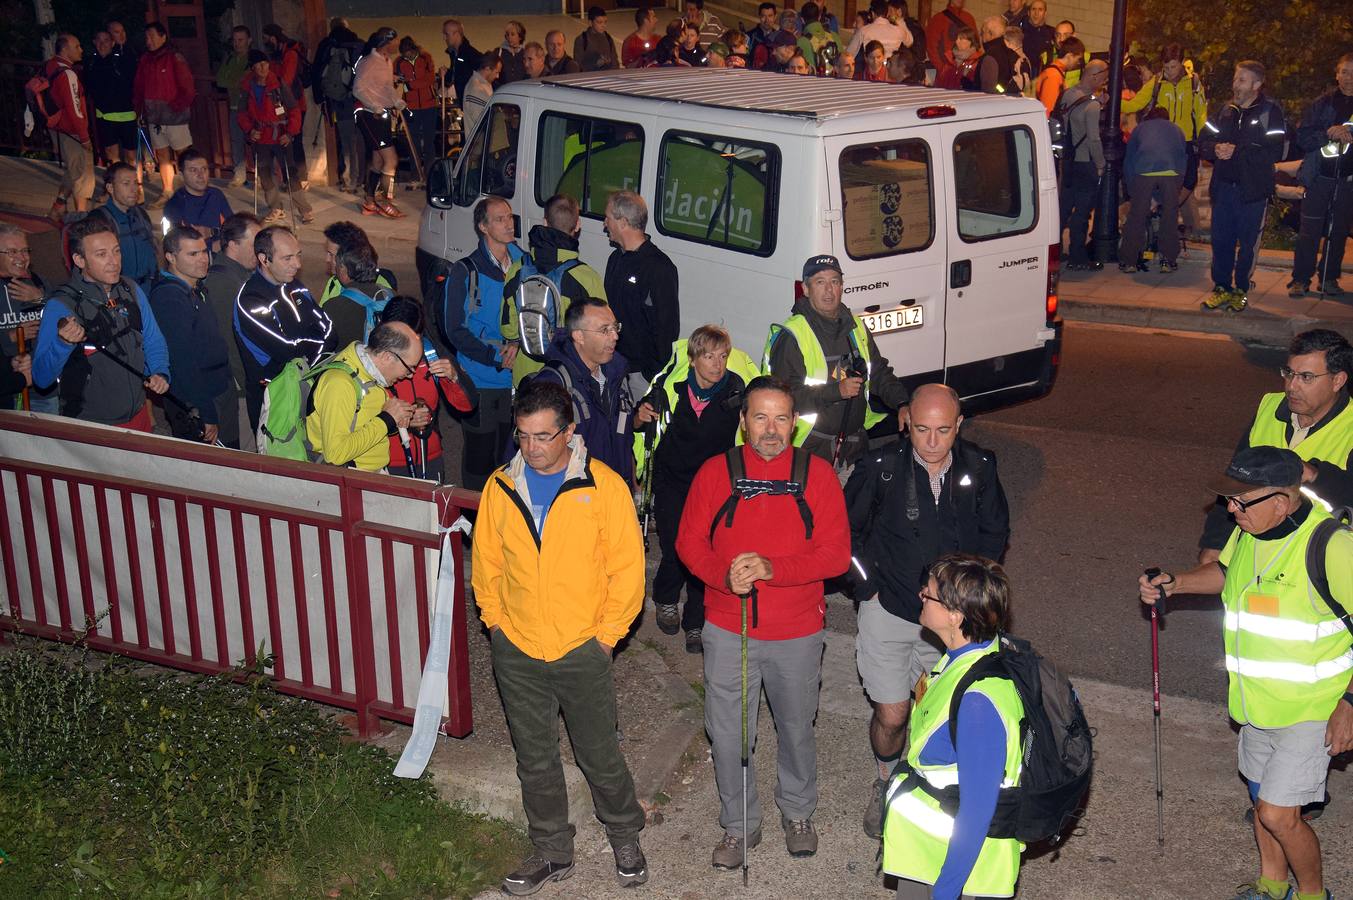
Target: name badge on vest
1261 604
921 684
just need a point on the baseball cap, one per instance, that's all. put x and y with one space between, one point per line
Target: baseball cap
817 264
1256 467
256 57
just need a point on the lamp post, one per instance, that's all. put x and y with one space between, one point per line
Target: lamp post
1106 215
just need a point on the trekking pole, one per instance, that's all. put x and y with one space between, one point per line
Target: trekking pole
19 343
746 598
1156 613
255 180
1329 236
646 490
188 409
286 174
413 151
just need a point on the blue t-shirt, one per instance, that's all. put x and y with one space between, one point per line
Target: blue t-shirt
543 490
209 210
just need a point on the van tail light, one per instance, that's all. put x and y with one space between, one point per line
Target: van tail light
937 111
1054 266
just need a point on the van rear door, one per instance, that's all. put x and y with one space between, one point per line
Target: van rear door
883 195
995 328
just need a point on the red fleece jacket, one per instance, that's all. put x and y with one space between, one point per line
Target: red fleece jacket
791 604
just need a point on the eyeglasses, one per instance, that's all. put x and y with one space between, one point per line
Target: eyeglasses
1303 377
20 251
523 439
928 598
606 330
407 367
1243 505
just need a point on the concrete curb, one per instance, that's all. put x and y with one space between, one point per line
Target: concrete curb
1250 325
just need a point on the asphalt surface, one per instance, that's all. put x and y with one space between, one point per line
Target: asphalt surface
1105 477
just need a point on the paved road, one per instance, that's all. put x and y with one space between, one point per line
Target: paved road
1105 478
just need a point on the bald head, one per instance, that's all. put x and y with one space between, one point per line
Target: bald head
1096 72
936 415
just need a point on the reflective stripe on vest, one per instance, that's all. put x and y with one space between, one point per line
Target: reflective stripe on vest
815 367
916 829
1287 656
1333 441
127 116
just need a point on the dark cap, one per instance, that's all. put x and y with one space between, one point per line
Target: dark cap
783 39
256 57
1256 467
817 264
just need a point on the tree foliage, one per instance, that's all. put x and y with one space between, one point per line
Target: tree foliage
1298 42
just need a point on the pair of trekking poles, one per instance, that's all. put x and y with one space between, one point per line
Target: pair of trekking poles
286 179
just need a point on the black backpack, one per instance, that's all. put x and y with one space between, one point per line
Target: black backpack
744 488
1315 560
1060 124
1057 742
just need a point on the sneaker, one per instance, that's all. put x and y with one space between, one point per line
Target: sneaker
800 837
388 209
533 874
1237 301
275 217
1127 269
1168 268
1297 289
694 642
369 207
308 217
237 180
728 852
669 618
1332 289
873 813
630 866
1252 891
1219 297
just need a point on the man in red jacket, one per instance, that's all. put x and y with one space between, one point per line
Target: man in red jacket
70 127
764 525
270 117
163 92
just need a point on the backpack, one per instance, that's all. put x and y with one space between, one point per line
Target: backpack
1060 124
1315 560
42 107
1057 742
744 488
287 401
304 74
373 306
539 303
336 79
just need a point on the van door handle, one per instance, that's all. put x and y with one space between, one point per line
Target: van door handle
960 273
516 225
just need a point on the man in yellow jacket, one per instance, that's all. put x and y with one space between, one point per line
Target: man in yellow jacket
354 415
559 578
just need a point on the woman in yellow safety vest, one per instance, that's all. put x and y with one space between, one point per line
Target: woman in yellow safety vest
966 604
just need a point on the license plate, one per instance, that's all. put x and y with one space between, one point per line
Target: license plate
893 319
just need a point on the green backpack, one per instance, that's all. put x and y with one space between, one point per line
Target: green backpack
286 403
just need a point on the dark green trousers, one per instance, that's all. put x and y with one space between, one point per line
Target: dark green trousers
534 692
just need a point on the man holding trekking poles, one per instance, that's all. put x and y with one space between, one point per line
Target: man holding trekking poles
764 524
270 116
1286 578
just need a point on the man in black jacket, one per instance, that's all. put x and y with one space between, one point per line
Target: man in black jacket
230 269
464 57
1245 140
908 505
641 286
1326 137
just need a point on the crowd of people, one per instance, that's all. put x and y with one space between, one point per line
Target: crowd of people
586 414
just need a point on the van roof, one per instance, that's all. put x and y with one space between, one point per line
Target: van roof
786 95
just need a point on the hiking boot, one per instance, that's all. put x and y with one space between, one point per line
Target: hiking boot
1219 297
275 217
669 618
728 852
630 866
800 837
1297 289
694 642
1332 289
1168 268
873 813
1237 302
1127 269
533 874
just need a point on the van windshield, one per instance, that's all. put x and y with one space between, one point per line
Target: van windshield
887 198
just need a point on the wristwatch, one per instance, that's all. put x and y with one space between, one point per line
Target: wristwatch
1348 697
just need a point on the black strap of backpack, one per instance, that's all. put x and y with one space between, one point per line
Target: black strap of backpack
953 17
736 472
1315 563
798 473
739 485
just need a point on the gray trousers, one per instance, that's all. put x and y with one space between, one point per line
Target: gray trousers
791 673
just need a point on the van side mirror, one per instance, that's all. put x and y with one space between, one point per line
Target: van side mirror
439 183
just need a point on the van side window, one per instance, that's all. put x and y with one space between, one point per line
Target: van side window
887 198
994 183
588 159
489 164
720 192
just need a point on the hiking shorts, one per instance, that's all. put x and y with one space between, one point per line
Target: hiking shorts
176 137
377 128
890 653
1290 764
123 134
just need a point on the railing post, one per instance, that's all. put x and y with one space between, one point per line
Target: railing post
359 607
461 719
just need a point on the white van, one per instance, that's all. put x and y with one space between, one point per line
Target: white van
941 206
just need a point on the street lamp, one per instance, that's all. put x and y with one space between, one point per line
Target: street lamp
1106 216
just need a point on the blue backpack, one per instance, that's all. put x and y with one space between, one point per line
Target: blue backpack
373 306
